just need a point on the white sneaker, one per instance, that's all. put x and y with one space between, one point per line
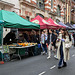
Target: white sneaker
43 53
48 57
46 53
55 57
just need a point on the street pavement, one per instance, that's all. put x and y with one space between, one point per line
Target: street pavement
39 65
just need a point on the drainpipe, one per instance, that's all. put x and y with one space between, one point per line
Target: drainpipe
70 10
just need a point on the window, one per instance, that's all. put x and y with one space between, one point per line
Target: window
51 3
57 20
27 18
63 0
58 10
40 4
39 15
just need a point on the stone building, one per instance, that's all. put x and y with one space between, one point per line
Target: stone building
10 5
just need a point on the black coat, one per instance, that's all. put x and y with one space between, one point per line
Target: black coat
74 36
9 36
53 39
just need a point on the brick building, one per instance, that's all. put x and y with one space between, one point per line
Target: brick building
28 9
45 8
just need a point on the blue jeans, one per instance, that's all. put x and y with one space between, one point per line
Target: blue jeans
44 47
61 56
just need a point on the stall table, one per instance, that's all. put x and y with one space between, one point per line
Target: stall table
19 48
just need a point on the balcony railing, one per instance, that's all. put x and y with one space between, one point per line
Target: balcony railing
27 3
53 13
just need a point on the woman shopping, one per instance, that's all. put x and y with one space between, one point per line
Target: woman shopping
64 44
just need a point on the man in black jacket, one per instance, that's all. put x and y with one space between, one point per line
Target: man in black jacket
50 42
10 38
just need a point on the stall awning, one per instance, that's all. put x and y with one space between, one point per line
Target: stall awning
52 22
12 20
39 20
67 27
74 26
68 24
1 21
43 23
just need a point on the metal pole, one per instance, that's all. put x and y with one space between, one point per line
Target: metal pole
2 40
70 10
39 34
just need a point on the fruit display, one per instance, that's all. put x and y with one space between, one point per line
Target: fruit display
22 44
27 44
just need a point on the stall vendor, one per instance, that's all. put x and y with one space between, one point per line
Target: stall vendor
21 38
26 36
10 38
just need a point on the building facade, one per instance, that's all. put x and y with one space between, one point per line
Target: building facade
68 11
73 11
10 5
45 8
58 10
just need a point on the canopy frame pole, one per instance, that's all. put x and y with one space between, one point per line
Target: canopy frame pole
40 34
2 40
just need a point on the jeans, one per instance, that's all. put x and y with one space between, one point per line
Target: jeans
44 46
61 61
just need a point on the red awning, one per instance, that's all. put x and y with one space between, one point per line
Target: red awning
43 23
50 21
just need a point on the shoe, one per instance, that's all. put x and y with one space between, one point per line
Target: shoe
43 53
64 66
46 53
59 67
55 57
48 57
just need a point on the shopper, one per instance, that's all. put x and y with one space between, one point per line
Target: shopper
54 43
37 37
33 36
63 52
74 38
50 42
43 41
26 36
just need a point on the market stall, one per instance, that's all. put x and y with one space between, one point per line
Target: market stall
67 27
73 26
50 21
68 24
1 30
12 20
43 23
21 48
